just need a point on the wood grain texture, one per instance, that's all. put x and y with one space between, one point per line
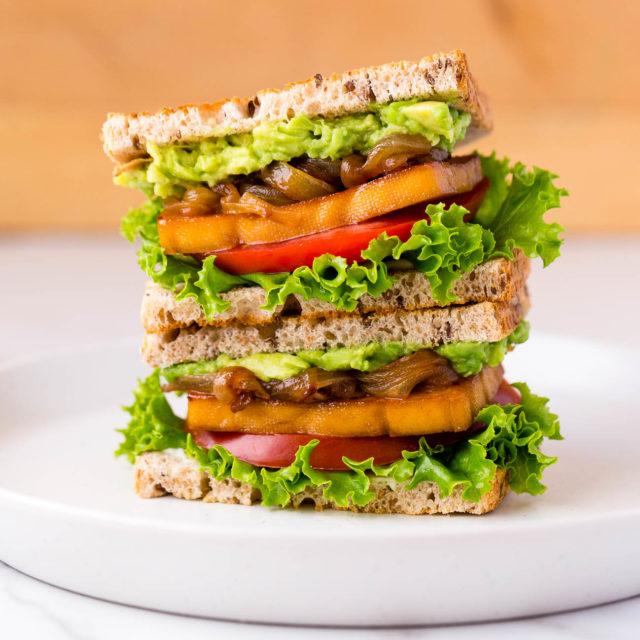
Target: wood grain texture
561 75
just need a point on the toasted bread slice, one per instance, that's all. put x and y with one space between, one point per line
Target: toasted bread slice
481 322
444 76
158 473
498 280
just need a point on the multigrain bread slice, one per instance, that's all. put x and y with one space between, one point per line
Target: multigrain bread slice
158 473
481 322
497 280
444 76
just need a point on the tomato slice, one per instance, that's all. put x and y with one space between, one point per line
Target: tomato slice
348 241
279 450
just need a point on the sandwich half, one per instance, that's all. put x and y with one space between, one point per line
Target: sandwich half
333 289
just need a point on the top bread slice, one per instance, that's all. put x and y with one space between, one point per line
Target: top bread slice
444 76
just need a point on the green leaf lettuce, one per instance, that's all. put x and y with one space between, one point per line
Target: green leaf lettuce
514 208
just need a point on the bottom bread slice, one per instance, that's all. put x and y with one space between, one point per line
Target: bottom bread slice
158 473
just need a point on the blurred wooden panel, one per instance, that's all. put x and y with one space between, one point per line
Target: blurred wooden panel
562 77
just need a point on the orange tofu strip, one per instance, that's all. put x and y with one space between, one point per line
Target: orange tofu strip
451 409
431 181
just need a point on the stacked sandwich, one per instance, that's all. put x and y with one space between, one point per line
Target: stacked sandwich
333 290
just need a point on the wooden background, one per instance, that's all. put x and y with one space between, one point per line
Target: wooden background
563 77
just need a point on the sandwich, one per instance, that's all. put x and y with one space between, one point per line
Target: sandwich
333 288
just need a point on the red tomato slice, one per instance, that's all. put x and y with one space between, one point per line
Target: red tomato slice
348 241
279 450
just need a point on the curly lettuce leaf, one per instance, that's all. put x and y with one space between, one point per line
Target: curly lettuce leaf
514 208
331 279
443 248
152 425
511 441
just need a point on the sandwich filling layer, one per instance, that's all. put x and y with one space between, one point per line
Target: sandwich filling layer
443 245
506 436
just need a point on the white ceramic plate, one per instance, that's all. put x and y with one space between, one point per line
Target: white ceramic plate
68 514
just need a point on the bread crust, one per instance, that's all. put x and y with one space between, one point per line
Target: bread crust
443 76
159 473
497 280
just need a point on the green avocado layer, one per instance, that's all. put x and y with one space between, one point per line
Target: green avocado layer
176 166
467 358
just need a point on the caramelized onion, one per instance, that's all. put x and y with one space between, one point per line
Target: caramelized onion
237 386
389 154
197 201
306 386
132 165
351 170
268 194
203 382
295 183
245 204
322 168
398 379
249 204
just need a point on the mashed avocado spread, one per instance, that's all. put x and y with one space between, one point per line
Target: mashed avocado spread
173 167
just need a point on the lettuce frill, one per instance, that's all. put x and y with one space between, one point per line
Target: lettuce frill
443 248
510 441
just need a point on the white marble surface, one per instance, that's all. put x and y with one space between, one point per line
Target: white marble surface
69 310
